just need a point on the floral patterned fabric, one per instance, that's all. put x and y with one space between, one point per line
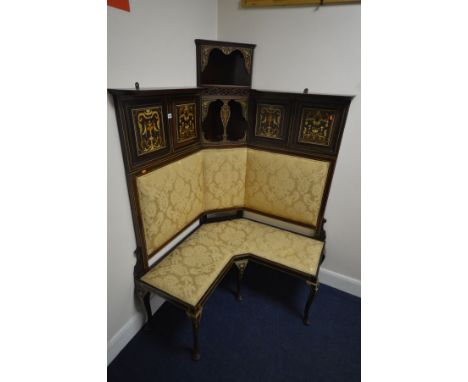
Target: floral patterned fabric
170 198
192 267
284 185
224 178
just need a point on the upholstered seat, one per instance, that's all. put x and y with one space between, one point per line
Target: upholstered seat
192 267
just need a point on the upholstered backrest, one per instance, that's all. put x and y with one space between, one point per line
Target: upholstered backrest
170 198
224 178
285 186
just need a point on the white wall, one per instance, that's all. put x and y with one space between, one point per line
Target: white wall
299 47
153 44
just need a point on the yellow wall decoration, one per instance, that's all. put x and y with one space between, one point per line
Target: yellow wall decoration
272 3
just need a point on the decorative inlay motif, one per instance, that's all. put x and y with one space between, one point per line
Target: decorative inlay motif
205 106
186 118
269 121
243 103
148 124
225 114
206 50
316 126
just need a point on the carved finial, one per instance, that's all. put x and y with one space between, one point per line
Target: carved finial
137 86
306 91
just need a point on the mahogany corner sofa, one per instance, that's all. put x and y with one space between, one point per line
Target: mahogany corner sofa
238 172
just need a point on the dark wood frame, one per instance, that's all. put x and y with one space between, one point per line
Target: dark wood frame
220 44
125 99
295 103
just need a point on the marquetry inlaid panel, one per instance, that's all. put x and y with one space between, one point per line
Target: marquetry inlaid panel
186 117
148 125
316 126
269 121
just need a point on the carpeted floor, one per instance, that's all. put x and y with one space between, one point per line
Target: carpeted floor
259 339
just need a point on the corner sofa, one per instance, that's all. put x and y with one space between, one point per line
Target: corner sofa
243 175
172 197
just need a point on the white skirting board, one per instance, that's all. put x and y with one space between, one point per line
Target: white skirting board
341 282
128 331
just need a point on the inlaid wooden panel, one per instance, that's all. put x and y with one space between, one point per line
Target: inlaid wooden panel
145 127
316 126
318 123
148 126
270 118
185 123
270 121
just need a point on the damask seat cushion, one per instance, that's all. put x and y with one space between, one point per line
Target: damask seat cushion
192 267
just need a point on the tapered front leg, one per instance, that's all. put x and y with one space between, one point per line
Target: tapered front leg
195 316
241 265
313 290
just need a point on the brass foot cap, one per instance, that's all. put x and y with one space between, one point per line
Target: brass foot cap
306 322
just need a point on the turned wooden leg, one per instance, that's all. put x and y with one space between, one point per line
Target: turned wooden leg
312 292
145 300
241 265
195 316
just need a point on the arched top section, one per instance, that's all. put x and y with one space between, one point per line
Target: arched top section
207 51
224 63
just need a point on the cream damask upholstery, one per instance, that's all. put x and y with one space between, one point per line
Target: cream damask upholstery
286 186
172 196
224 178
192 267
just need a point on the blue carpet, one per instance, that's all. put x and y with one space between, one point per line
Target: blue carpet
260 339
